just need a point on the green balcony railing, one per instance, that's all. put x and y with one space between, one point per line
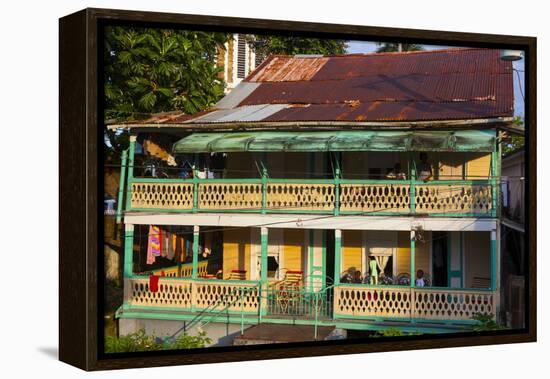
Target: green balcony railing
472 198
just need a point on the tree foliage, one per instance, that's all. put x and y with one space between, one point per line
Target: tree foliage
156 70
289 45
394 47
515 141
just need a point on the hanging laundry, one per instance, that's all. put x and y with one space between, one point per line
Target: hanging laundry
154 283
153 244
155 235
165 243
170 251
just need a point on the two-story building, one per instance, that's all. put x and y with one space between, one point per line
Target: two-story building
356 191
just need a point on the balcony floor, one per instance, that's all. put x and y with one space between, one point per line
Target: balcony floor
309 221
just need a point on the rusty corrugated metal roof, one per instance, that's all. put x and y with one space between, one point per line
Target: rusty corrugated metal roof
452 84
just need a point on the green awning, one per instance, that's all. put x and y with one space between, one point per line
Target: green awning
471 140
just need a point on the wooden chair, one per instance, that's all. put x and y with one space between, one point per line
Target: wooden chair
237 275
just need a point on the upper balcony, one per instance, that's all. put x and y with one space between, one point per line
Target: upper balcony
325 173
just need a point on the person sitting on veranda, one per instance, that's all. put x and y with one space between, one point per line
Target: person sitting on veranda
396 173
357 277
425 168
419 279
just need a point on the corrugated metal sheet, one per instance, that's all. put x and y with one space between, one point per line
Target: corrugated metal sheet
245 114
288 68
453 84
237 94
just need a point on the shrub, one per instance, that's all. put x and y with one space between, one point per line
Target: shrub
140 341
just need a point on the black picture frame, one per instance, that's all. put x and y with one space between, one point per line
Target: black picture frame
81 186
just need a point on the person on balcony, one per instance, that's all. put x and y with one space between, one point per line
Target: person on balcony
419 279
396 173
373 271
357 277
425 168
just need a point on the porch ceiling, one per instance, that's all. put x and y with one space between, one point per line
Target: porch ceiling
262 141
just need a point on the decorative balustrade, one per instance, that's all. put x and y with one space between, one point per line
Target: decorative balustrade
454 198
350 301
171 293
416 303
441 198
183 271
187 294
390 302
359 197
300 196
449 304
159 195
234 196
235 297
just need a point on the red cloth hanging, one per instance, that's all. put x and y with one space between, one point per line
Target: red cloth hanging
153 283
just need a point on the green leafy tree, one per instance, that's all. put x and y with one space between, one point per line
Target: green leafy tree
394 47
157 70
515 141
288 45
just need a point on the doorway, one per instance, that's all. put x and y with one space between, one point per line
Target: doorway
440 259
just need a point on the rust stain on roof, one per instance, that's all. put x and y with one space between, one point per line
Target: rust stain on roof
288 68
451 84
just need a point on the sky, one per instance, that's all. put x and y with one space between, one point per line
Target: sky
355 47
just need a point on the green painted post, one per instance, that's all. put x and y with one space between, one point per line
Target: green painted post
337 255
263 268
128 250
495 179
131 153
493 260
413 258
264 189
412 178
324 260
196 241
121 185
337 189
195 190
311 258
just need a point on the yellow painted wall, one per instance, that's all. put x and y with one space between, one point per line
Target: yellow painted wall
478 166
450 166
293 250
236 251
352 247
423 250
477 256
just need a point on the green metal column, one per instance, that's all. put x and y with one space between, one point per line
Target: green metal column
337 255
121 185
413 258
195 190
324 258
337 175
264 189
128 250
412 179
131 152
494 182
196 241
493 247
263 270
